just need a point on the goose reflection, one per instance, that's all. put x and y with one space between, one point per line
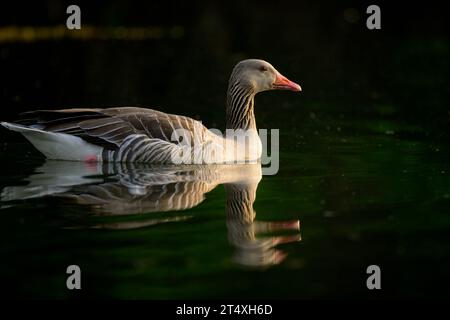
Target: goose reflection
125 188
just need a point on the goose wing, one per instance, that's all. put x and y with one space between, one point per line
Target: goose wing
109 128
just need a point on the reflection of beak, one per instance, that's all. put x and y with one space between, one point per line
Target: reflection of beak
276 226
285 225
283 83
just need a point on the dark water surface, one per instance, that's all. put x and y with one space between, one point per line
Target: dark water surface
368 199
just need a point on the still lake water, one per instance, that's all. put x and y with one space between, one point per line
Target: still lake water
350 193
364 162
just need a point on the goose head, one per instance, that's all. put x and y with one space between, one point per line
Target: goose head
247 79
259 75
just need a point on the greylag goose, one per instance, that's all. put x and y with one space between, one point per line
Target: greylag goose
130 134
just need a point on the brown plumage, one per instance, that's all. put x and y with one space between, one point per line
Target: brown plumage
109 127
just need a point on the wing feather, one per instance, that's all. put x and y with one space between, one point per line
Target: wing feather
110 127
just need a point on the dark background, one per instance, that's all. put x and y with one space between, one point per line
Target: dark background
364 158
399 72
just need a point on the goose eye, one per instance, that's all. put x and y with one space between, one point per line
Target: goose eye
263 68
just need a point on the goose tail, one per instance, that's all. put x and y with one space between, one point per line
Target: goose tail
58 146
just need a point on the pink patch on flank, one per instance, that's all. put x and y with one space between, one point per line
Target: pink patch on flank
91 162
91 158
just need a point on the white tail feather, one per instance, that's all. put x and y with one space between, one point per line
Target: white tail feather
58 146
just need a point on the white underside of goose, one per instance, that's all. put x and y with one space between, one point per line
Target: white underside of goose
58 146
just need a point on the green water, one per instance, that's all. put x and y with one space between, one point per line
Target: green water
379 197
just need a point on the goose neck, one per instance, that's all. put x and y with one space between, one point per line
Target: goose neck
240 105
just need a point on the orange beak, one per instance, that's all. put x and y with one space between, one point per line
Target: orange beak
283 83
